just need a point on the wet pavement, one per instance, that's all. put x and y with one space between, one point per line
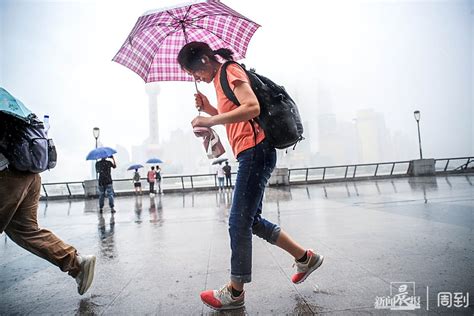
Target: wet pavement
156 254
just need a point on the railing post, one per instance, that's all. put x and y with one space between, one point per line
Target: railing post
215 180
44 189
393 167
289 175
324 172
446 167
68 189
192 184
345 174
306 178
354 174
376 169
182 182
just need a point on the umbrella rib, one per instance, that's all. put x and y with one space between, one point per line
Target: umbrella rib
221 14
187 12
167 11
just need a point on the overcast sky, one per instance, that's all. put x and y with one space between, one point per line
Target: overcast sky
390 56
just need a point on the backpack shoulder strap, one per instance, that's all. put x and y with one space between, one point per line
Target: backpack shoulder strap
230 94
225 83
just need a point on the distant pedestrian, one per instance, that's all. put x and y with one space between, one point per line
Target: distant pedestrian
137 184
257 159
220 176
151 177
19 197
103 168
158 179
228 174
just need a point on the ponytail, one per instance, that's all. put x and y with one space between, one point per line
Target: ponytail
224 53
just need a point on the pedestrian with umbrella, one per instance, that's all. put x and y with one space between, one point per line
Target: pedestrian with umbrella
158 179
220 172
220 176
151 178
137 184
19 197
197 33
103 168
228 174
154 176
257 159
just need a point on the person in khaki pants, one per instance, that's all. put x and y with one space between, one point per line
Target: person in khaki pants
19 197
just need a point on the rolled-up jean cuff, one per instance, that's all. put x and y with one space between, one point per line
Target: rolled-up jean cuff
247 278
275 235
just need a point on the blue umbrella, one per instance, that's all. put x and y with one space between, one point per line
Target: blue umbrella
100 152
136 166
154 160
12 106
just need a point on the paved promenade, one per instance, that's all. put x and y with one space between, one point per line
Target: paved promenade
156 254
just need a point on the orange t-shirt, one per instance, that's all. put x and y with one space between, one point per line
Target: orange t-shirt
240 134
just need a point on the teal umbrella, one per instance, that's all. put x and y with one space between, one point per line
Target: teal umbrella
12 106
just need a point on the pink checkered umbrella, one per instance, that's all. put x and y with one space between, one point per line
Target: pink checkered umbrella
152 47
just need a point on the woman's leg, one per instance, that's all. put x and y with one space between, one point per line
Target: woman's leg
285 242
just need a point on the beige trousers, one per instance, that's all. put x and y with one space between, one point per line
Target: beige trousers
19 196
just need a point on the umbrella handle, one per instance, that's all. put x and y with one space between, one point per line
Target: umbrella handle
196 86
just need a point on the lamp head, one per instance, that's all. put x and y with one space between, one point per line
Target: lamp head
96 132
417 115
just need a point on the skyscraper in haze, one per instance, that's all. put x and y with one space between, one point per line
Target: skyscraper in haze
152 89
151 145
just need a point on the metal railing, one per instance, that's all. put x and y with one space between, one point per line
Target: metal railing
348 172
191 182
62 187
124 186
443 164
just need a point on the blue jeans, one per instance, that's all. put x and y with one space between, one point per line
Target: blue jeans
221 182
255 167
109 190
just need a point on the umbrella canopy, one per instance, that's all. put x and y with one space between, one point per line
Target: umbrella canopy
12 106
219 160
152 47
136 166
100 152
154 160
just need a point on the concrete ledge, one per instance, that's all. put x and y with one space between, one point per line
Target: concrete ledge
280 176
91 188
422 167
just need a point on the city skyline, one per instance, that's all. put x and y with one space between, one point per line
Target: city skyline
391 57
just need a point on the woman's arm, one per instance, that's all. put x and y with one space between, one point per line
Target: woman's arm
202 104
248 109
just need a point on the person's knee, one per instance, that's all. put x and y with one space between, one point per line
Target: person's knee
267 231
239 231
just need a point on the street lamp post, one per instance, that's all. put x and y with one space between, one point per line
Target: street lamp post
96 133
417 118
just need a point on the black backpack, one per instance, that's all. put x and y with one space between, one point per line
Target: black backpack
30 150
279 116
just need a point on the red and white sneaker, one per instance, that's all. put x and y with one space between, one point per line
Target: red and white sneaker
303 270
222 299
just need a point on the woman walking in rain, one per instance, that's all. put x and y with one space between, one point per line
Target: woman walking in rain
256 158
